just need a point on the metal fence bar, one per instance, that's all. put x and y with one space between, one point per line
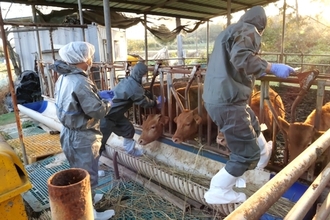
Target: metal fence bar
324 211
300 209
266 196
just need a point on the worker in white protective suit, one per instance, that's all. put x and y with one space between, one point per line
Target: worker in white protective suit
80 108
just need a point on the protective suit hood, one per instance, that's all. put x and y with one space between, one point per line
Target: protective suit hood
138 71
255 16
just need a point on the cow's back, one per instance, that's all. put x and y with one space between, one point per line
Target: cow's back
278 105
324 119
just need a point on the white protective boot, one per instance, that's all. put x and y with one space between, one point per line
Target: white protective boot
129 145
265 151
97 197
221 189
103 215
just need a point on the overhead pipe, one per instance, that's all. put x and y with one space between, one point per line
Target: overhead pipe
28 24
12 88
268 194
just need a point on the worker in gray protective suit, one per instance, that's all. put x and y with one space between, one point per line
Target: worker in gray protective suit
79 108
128 91
232 68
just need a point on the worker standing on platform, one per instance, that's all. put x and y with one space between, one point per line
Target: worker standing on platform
229 80
79 108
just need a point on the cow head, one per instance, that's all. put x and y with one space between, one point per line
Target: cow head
187 125
152 128
299 136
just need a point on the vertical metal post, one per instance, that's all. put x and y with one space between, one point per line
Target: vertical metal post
199 100
319 102
11 87
228 12
179 43
42 78
170 101
145 39
81 18
54 58
207 41
107 22
283 32
263 86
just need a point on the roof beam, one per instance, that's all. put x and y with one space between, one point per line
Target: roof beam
141 7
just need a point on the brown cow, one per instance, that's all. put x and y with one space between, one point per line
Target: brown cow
188 123
278 105
301 134
153 125
152 128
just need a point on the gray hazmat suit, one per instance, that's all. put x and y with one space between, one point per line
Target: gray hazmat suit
79 108
232 68
128 91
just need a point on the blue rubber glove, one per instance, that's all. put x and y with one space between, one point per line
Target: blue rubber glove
281 70
107 95
159 101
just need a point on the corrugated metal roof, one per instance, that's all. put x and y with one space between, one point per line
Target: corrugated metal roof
190 9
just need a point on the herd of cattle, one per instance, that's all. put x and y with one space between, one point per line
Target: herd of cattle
186 123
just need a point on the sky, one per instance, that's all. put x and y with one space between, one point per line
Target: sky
305 7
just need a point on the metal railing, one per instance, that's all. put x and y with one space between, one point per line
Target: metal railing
258 204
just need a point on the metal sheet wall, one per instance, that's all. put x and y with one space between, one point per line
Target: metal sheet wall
26 43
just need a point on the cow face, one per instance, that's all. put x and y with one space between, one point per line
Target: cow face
299 136
187 125
152 128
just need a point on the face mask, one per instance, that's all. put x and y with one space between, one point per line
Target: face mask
88 70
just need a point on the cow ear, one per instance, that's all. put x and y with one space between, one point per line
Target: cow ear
143 117
175 119
198 119
283 124
164 119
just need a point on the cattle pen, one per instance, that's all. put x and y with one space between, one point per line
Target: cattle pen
186 168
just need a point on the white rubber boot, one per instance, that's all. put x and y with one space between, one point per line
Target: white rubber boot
265 151
97 197
221 189
129 145
103 215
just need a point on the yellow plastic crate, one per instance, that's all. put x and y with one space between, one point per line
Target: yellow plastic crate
37 146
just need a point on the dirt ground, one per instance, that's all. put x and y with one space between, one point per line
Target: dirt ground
307 105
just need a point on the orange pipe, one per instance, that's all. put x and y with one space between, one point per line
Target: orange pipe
70 195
